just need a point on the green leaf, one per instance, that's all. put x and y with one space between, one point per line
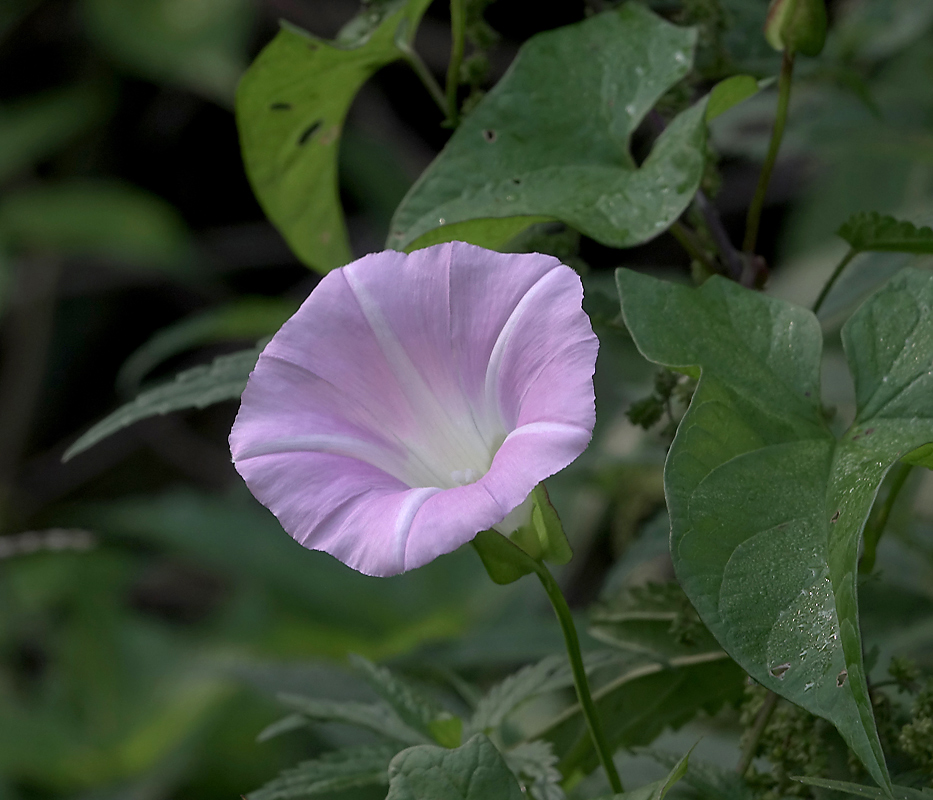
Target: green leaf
290 110
106 220
415 709
872 231
921 457
475 771
551 139
709 781
246 318
771 565
546 676
332 772
224 379
658 789
858 790
287 724
375 717
493 234
654 620
730 92
642 698
534 764
199 45
34 129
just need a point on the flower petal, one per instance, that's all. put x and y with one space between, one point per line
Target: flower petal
402 376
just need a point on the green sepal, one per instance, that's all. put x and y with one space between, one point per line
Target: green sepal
798 26
505 561
551 537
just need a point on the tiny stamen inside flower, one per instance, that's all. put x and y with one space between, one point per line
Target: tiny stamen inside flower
462 477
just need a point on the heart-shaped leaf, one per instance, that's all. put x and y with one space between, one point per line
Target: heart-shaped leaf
551 139
767 506
290 109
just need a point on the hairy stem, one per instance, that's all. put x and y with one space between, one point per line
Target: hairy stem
580 682
457 32
731 257
761 722
777 133
834 277
424 74
877 522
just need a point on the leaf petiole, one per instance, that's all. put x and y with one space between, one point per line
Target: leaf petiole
777 133
834 277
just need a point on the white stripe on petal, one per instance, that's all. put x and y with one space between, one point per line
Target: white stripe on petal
549 427
349 446
505 337
406 516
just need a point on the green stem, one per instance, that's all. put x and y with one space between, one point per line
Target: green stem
879 520
761 722
457 32
777 133
834 277
580 682
422 71
688 240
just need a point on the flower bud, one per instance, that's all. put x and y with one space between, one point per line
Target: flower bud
797 26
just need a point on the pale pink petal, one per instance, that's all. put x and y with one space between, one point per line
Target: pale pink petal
403 376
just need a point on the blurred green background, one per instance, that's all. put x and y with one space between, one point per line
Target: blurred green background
149 608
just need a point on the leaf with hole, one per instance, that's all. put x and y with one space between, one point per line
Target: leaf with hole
290 109
551 139
767 506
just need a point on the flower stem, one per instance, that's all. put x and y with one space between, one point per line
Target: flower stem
834 277
761 722
422 71
580 682
457 33
777 133
878 521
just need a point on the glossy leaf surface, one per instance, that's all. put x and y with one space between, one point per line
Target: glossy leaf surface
770 565
551 139
290 109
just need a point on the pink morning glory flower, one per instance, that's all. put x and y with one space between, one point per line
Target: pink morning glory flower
415 400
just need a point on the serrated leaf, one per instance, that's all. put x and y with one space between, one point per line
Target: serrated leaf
33 129
872 231
858 790
642 698
534 764
290 109
292 722
551 139
414 708
375 717
100 219
201 46
771 565
246 318
474 771
199 387
546 676
656 620
332 772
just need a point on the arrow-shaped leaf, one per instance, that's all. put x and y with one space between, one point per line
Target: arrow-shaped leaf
767 506
290 109
551 140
